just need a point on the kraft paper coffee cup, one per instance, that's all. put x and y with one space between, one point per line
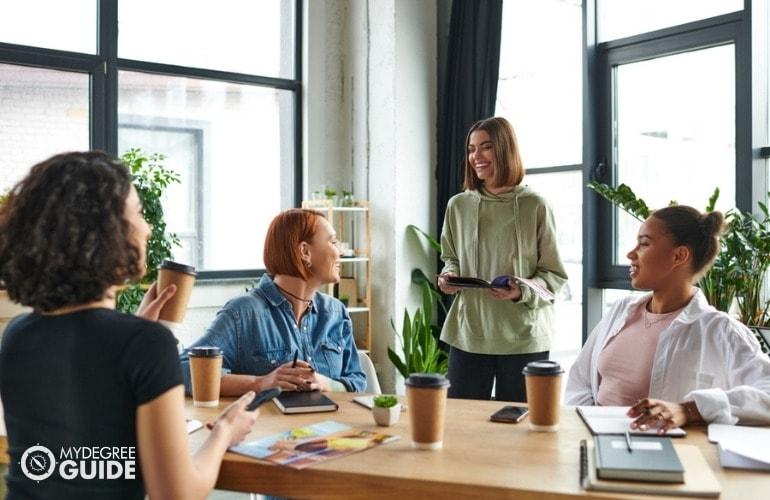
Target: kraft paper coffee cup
183 276
427 393
543 380
206 374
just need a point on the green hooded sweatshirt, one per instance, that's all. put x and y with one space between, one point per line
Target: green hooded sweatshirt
487 236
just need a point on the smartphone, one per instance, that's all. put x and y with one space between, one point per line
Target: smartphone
509 414
263 397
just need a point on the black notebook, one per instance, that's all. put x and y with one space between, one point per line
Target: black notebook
304 402
639 458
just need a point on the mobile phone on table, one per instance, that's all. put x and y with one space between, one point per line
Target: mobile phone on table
263 397
509 414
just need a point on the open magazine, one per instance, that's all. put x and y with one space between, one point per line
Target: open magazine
500 282
316 443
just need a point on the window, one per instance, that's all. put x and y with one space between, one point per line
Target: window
670 127
216 89
623 18
539 92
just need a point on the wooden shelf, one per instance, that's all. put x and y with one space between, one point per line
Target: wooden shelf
353 226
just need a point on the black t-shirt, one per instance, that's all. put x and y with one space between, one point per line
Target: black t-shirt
72 384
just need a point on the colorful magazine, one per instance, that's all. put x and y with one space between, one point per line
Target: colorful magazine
316 443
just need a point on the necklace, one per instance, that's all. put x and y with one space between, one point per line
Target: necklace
308 302
649 322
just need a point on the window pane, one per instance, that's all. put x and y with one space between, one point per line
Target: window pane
242 36
233 146
54 24
564 192
675 120
44 112
539 89
622 18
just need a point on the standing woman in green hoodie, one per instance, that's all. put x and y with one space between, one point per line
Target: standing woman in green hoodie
497 227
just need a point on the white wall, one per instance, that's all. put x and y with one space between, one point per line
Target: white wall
384 142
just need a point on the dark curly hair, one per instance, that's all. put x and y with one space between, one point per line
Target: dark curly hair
64 238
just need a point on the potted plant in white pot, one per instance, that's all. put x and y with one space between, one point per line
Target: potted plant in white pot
386 410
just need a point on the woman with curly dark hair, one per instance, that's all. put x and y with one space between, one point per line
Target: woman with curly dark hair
77 375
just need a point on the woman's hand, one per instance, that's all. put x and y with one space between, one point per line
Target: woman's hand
513 292
235 420
319 382
444 286
152 302
655 413
288 378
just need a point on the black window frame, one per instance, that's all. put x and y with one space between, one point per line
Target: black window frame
744 29
104 66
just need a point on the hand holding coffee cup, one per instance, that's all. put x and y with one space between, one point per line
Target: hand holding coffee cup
543 381
183 277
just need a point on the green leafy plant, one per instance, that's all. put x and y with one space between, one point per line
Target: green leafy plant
3 196
151 179
419 341
330 192
385 401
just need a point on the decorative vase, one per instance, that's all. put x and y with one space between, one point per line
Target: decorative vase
386 417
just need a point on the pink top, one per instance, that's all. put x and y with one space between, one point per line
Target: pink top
625 364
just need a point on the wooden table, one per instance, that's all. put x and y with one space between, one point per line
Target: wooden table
480 459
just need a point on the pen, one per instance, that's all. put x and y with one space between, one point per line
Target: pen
628 442
294 363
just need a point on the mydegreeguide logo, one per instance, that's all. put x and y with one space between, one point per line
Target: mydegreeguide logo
84 462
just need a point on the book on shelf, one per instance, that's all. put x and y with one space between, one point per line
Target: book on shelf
641 458
500 282
304 402
305 446
699 480
613 420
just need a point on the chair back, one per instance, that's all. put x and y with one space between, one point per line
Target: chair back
372 383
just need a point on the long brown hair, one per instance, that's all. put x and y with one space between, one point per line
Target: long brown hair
509 169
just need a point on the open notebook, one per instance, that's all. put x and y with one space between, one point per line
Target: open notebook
613 420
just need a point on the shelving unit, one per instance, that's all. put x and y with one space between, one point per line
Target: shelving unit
352 225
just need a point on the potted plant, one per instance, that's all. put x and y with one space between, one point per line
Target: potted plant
345 300
151 179
419 341
386 410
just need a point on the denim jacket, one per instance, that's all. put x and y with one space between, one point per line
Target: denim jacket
257 333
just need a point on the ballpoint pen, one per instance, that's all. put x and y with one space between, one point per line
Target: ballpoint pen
628 442
294 363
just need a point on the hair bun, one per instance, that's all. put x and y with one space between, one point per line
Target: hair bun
713 223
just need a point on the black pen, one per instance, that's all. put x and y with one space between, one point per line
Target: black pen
628 442
294 363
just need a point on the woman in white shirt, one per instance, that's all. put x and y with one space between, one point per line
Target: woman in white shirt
668 354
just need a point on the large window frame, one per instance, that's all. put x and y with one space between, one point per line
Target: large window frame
104 66
747 31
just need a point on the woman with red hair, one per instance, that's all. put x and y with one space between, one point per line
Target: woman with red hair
284 332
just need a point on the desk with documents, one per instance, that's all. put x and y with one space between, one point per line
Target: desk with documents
480 459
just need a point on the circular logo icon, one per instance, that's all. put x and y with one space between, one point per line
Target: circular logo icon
37 463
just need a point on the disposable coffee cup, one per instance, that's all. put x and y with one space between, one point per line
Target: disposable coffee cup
543 380
206 374
426 394
183 276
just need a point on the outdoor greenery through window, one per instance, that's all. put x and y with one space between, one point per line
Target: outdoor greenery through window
216 89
